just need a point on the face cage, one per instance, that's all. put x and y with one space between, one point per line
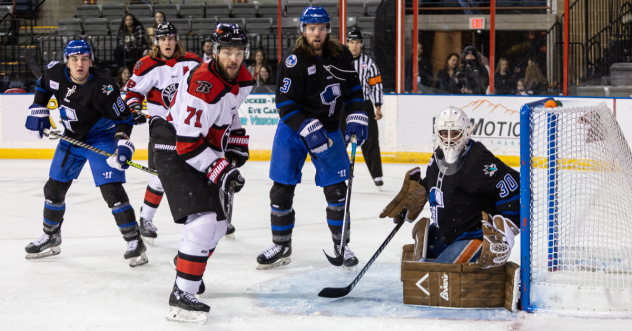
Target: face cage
157 38
303 25
447 143
216 48
67 57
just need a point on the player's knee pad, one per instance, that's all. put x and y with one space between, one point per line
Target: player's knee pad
281 213
116 197
336 198
54 204
155 183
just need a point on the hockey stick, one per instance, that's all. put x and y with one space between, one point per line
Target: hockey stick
231 199
337 292
96 150
339 259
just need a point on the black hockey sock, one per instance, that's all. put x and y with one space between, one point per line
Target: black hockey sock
281 214
114 194
336 198
54 205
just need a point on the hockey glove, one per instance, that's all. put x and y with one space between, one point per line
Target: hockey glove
38 120
358 124
410 200
498 240
222 173
315 135
123 153
237 148
136 107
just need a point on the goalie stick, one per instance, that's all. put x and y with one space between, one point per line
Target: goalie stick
96 150
338 292
339 259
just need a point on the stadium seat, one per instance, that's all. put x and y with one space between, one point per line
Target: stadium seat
203 26
104 47
371 7
240 21
222 10
183 25
357 9
96 27
147 22
192 11
366 24
351 22
69 27
335 26
143 10
290 25
84 11
268 10
113 11
171 11
14 90
259 25
114 25
330 6
244 10
295 8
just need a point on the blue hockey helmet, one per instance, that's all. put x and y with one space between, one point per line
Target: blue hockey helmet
315 15
75 47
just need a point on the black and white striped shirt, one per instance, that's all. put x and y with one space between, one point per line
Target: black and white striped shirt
370 78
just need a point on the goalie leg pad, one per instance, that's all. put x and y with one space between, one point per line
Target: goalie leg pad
336 198
281 212
420 234
54 204
498 235
116 198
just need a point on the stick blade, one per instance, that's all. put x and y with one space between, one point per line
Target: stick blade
336 261
334 292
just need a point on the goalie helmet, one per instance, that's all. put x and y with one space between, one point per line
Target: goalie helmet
165 29
453 130
230 35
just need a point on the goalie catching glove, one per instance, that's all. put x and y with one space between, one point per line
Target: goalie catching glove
410 200
498 240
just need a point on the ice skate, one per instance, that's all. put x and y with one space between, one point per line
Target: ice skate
378 182
174 263
136 253
350 261
148 230
46 245
185 307
230 232
275 256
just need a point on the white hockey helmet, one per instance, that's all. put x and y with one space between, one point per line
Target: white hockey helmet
453 130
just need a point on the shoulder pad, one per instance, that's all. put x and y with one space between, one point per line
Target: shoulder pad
188 56
205 85
51 64
244 78
145 65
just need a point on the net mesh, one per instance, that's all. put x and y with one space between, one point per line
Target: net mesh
581 183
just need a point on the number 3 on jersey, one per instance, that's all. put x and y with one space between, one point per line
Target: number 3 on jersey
286 85
194 112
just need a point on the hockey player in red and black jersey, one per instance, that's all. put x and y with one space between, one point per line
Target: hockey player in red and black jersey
195 147
315 83
464 184
156 77
92 111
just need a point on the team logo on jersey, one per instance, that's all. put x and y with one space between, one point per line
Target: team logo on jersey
431 161
329 96
67 115
311 70
107 89
70 92
168 93
435 198
490 169
291 61
54 85
205 87
51 64
363 65
138 64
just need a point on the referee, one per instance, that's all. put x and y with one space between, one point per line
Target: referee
371 81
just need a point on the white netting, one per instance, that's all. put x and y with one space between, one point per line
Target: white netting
581 209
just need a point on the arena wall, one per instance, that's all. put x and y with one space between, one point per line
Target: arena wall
406 133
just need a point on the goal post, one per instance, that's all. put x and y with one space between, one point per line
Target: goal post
576 213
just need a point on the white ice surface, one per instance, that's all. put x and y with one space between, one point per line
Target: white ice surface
89 286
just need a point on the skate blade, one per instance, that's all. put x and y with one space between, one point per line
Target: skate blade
138 261
352 269
173 266
185 316
279 263
45 253
230 236
149 241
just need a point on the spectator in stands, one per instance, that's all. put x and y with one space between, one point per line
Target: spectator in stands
534 81
207 47
264 81
446 77
258 60
468 3
503 80
122 77
520 87
130 41
424 73
473 77
159 17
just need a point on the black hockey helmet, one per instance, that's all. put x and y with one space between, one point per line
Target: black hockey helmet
230 35
355 34
165 29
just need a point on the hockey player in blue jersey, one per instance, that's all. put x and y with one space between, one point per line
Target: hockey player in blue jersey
93 112
314 83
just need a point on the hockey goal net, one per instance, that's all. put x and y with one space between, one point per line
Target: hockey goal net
576 197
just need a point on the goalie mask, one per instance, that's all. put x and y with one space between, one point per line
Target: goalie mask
453 130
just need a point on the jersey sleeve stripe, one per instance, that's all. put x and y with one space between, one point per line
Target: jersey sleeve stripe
285 103
500 202
354 100
375 80
188 147
355 88
290 114
41 89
